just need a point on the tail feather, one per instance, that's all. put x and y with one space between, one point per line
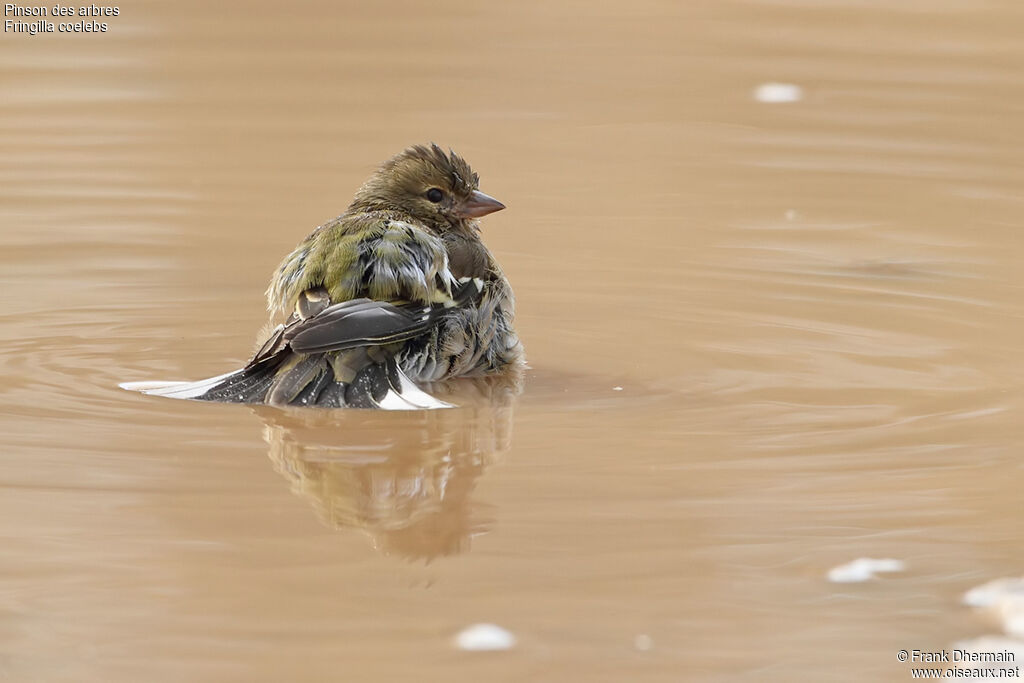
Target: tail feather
339 355
294 377
307 380
248 385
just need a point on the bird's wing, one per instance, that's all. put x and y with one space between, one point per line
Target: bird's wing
365 322
312 302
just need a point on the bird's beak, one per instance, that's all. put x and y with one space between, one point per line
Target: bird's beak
479 204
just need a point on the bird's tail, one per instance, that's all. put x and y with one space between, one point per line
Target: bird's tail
356 378
333 356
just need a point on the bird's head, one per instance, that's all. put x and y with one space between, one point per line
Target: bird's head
439 189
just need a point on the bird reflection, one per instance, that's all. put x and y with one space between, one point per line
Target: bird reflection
405 478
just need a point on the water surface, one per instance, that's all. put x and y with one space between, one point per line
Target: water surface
766 339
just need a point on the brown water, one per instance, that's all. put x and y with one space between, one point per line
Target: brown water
814 310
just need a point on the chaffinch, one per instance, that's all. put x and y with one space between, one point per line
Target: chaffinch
398 290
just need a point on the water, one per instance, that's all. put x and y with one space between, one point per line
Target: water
767 338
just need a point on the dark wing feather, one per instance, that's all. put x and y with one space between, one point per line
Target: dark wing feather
359 322
364 322
270 347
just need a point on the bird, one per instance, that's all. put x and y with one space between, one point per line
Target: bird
396 292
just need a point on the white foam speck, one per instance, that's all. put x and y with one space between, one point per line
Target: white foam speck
616 388
777 93
643 642
863 569
995 591
484 638
1005 597
1013 620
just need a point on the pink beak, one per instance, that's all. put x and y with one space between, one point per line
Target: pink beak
479 204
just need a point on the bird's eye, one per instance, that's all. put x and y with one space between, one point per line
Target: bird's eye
435 195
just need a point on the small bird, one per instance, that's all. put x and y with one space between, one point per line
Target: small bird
398 290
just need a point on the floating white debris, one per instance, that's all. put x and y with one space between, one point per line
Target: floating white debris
616 388
995 591
777 93
1006 598
1013 619
643 642
863 569
484 638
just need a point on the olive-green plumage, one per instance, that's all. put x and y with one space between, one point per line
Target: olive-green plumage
379 254
398 289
